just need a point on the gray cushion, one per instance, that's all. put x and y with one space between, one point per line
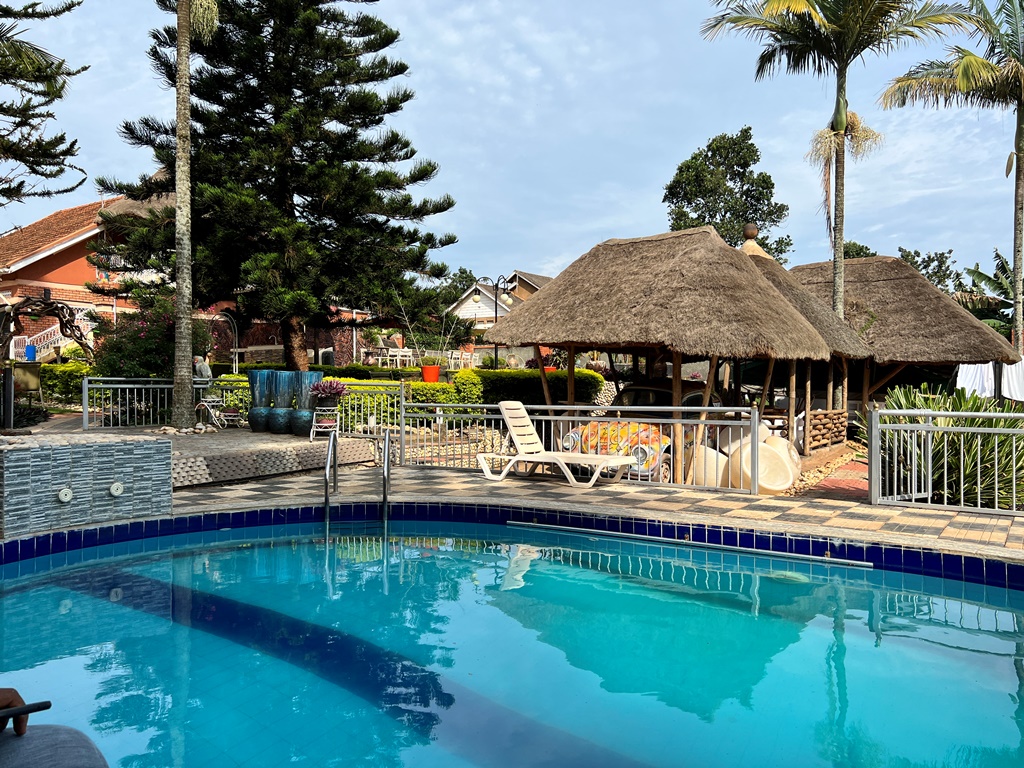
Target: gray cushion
49 746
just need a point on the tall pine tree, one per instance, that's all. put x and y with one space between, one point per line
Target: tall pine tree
301 194
35 80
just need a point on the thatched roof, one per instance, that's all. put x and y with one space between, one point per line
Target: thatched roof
141 208
688 291
903 318
840 338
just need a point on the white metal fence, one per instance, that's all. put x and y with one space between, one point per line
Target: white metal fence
114 402
957 461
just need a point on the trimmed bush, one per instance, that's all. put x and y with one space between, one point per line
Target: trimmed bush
525 385
63 383
468 387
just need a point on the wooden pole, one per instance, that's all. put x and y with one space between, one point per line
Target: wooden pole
543 374
767 384
636 365
807 411
828 388
570 384
846 383
677 429
614 372
791 417
699 436
865 391
726 371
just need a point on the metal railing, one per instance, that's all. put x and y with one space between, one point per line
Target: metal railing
961 461
450 436
115 402
330 468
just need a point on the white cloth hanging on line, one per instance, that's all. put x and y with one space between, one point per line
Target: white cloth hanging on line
977 378
1013 381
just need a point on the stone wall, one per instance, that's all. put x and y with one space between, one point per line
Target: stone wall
34 470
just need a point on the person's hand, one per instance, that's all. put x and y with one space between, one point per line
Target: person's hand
11 698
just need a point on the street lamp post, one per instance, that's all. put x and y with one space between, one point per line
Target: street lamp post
501 286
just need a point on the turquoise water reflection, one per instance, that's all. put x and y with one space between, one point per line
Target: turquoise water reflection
483 646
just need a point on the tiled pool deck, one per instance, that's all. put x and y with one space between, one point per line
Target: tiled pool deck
820 513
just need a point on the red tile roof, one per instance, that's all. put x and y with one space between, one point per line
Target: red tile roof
48 232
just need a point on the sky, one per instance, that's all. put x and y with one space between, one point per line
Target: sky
557 124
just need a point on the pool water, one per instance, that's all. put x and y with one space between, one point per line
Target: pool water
487 646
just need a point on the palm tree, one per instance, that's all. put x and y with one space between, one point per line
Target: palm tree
825 37
990 296
995 80
199 17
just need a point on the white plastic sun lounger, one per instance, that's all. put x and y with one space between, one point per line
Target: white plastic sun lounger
530 451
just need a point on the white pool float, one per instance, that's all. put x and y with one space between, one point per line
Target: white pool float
774 473
730 438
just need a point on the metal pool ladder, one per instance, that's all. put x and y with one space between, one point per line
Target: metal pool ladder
330 466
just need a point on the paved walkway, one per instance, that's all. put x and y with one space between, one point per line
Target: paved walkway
836 506
814 514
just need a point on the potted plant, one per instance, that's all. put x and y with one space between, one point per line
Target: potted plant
327 392
430 368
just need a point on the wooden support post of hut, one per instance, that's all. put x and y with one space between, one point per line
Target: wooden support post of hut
829 385
543 374
570 386
807 411
677 429
791 394
698 436
766 387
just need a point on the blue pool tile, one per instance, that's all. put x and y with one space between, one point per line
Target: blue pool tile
42 545
714 534
279 517
136 530
995 573
892 558
266 517
654 528
74 540
11 552
931 563
1015 576
799 545
58 543
224 519
913 582
952 567
763 542
819 547
733 538
974 591
237 519
974 570
291 515
856 553
208 523
874 554
252 518
90 537
838 549
121 533
698 533
106 535
628 525
780 543
913 562
684 532
179 524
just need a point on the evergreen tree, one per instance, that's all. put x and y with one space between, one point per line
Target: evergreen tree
35 80
300 190
717 186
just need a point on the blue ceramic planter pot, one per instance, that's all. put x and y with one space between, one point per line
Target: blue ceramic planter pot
303 381
259 388
279 420
302 422
258 418
282 388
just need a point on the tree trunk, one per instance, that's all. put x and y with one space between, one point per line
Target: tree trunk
294 341
1018 230
839 122
183 414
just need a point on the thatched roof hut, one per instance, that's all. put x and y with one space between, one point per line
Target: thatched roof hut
903 318
686 291
841 339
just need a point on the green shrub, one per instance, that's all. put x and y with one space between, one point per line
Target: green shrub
965 468
428 360
63 383
468 387
141 345
26 416
525 386
236 398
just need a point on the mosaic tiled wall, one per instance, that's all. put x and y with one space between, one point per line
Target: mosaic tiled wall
108 477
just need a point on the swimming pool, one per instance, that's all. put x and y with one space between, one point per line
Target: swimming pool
478 645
